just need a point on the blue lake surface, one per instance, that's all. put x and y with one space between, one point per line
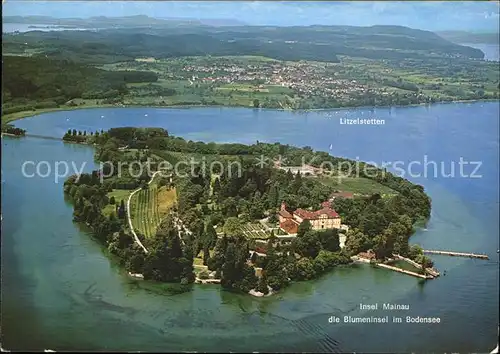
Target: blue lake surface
491 51
60 290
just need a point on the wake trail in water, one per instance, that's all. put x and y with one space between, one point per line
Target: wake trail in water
314 330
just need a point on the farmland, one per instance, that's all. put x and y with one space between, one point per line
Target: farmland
150 206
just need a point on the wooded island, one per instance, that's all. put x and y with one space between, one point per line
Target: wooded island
223 224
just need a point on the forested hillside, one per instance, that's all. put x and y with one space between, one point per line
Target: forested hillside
34 82
319 43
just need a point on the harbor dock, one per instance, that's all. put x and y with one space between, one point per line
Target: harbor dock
457 254
431 271
404 271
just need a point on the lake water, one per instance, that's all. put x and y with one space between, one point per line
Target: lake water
25 27
491 51
60 290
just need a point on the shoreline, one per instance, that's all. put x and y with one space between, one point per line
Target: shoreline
11 117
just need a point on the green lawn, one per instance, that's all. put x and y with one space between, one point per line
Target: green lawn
119 194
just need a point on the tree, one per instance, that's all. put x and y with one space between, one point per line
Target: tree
262 285
216 262
356 242
210 236
229 269
273 219
232 226
273 196
206 255
216 186
297 183
253 258
329 240
381 247
415 250
112 200
256 103
307 245
305 269
303 228
121 210
229 207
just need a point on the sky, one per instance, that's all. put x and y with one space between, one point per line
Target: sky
478 16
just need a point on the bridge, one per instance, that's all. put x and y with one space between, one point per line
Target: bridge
42 137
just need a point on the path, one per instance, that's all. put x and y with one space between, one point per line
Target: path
180 227
130 218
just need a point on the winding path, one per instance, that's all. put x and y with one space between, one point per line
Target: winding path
130 218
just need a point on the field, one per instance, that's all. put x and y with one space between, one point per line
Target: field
357 185
149 207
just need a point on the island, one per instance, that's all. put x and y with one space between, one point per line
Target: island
252 218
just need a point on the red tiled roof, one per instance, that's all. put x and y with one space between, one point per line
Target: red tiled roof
328 211
260 250
326 204
305 214
368 255
313 215
290 226
285 214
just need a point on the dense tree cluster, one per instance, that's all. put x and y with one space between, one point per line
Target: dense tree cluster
89 198
78 136
310 255
230 262
10 129
383 225
34 82
168 260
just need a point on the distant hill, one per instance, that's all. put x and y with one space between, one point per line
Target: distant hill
127 21
142 36
470 37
